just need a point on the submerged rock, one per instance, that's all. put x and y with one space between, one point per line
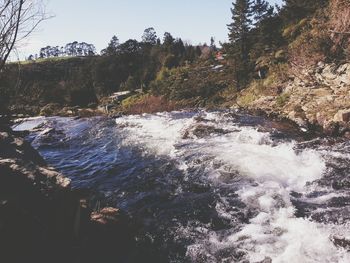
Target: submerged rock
201 131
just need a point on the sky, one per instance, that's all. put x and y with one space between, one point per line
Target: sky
96 21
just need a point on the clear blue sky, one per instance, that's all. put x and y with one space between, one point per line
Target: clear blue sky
96 21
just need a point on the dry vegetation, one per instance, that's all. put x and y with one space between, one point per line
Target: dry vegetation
340 26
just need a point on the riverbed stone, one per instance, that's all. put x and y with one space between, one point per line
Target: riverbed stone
342 116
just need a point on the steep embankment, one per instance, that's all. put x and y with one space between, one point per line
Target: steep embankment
312 85
319 96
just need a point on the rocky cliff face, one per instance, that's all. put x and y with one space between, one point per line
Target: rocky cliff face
318 96
43 220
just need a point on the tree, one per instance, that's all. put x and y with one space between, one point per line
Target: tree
131 83
149 36
18 18
129 47
294 10
168 39
267 31
261 10
239 37
212 43
178 48
240 26
112 48
170 61
71 49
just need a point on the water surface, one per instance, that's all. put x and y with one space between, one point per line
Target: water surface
210 186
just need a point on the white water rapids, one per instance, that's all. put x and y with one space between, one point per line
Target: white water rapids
274 199
277 169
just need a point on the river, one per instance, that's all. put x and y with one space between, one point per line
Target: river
215 186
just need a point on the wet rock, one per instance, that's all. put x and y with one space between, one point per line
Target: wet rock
341 242
331 128
201 131
266 260
107 215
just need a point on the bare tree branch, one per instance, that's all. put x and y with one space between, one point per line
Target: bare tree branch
18 19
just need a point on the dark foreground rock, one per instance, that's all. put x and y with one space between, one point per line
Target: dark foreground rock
43 220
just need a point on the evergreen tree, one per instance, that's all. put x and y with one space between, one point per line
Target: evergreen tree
239 37
178 48
267 28
212 43
240 26
261 10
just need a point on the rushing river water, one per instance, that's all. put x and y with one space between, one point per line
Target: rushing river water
211 186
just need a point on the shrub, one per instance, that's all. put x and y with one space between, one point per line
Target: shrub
246 99
281 56
282 99
170 62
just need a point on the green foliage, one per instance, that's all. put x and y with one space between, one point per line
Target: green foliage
131 83
170 61
241 22
262 44
246 99
112 48
149 36
163 74
296 29
282 99
238 36
294 10
128 102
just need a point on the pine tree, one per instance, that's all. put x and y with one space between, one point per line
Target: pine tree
266 31
261 10
240 26
212 43
239 39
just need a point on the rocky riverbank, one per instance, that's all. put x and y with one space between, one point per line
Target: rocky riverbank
317 97
42 219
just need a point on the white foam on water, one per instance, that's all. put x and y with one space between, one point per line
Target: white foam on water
277 170
28 124
158 132
252 154
276 233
